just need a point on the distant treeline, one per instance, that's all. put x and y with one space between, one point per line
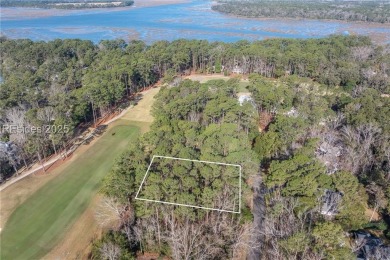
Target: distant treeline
66 4
368 11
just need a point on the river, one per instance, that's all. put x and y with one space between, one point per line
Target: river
192 20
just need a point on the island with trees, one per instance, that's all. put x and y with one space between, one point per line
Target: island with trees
312 137
66 4
347 10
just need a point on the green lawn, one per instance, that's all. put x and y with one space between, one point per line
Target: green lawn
37 225
242 86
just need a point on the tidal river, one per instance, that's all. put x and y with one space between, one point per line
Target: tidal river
191 20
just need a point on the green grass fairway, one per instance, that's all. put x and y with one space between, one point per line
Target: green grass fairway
38 224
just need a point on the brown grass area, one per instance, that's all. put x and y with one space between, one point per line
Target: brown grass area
142 111
76 243
151 256
77 240
375 215
205 78
17 193
50 168
14 195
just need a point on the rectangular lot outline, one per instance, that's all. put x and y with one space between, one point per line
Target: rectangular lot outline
186 205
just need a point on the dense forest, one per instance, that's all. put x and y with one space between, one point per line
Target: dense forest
182 131
66 4
313 140
366 11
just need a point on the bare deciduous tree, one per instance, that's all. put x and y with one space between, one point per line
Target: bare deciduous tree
330 150
109 213
246 242
360 142
16 117
46 114
379 197
110 251
282 224
10 152
362 53
189 240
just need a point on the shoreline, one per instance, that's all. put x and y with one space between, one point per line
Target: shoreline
150 3
255 28
353 26
16 13
290 19
214 3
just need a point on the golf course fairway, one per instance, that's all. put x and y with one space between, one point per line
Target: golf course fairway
38 224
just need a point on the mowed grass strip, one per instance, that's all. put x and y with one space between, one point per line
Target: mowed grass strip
38 224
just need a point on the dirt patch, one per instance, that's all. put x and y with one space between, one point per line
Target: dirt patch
370 213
